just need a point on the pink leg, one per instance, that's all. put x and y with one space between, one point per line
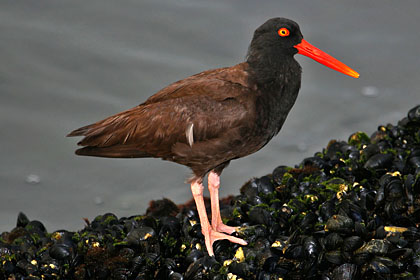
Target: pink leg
216 219
210 235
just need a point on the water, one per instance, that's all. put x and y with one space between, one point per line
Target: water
65 64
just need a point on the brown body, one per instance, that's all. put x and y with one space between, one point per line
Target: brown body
230 114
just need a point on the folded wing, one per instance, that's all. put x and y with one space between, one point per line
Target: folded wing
205 111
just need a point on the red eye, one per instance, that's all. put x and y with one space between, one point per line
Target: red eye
283 32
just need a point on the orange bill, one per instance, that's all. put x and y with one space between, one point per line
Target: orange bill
309 50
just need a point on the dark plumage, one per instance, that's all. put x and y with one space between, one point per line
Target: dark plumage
235 111
211 118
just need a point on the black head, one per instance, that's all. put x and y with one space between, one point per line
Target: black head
276 37
276 42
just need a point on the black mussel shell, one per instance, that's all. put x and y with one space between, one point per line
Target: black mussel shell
240 269
193 256
176 276
139 234
259 215
334 257
317 162
311 247
279 172
414 114
352 243
265 185
327 209
375 246
346 271
379 161
60 251
370 150
332 241
22 220
339 223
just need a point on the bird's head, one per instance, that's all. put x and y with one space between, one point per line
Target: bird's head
281 37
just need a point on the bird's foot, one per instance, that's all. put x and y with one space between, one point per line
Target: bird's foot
211 236
221 227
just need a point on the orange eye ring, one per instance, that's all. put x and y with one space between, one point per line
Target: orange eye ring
283 32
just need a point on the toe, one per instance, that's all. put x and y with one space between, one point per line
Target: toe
226 229
214 235
211 236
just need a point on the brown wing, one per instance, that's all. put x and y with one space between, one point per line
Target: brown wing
214 105
217 83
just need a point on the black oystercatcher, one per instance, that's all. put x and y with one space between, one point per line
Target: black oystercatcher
211 118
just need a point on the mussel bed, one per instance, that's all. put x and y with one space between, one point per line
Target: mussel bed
351 211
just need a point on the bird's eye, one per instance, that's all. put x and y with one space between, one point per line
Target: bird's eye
283 32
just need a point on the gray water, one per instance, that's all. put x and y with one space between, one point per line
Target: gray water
65 64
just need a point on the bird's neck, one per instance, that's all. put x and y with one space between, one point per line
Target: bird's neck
278 82
270 74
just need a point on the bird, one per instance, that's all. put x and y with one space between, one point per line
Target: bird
211 118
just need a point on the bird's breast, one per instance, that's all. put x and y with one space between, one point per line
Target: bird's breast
272 108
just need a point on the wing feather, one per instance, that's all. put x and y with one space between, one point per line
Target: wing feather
208 101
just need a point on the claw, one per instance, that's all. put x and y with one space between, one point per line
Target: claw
211 236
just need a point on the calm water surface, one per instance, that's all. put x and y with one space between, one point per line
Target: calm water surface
64 64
